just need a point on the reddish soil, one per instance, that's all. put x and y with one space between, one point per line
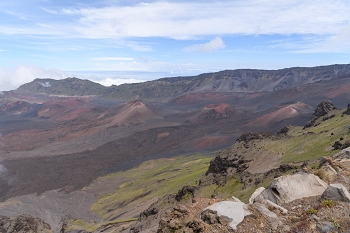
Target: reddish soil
283 113
220 108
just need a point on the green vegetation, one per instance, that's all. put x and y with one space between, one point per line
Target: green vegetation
150 180
311 143
312 211
335 222
327 203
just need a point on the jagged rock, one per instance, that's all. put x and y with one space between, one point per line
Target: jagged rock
196 225
247 137
347 111
179 220
336 192
337 145
185 190
284 130
255 194
209 216
324 108
148 212
233 212
23 224
340 146
285 189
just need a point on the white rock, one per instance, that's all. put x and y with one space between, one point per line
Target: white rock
288 188
232 211
255 194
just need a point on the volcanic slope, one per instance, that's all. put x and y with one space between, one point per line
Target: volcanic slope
253 161
107 150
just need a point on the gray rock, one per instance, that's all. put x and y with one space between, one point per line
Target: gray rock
336 192
326 227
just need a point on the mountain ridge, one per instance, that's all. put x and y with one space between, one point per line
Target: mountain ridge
239 80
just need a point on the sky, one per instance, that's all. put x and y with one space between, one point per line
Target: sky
126 41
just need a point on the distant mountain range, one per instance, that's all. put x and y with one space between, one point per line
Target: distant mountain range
228 81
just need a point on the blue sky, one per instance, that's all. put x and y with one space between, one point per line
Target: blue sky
114 42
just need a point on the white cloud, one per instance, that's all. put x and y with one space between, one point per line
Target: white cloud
111 59
117 81
338 43
189 20
212 45
12 78
50 11
20 16
138 47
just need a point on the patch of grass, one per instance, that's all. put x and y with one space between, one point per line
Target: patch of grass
327 203
312 211
151 179
311 143
335 222
206 191
227 190
321 173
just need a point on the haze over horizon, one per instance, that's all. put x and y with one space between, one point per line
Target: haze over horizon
114 42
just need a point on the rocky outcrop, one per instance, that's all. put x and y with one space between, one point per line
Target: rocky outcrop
288 188
284 130
347 111
338 145
247 137
184 191
23 224
323 111
178 220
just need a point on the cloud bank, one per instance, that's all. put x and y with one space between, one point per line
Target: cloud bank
12 78
184 20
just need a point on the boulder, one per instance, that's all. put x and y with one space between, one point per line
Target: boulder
232 212
336 192
288 188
